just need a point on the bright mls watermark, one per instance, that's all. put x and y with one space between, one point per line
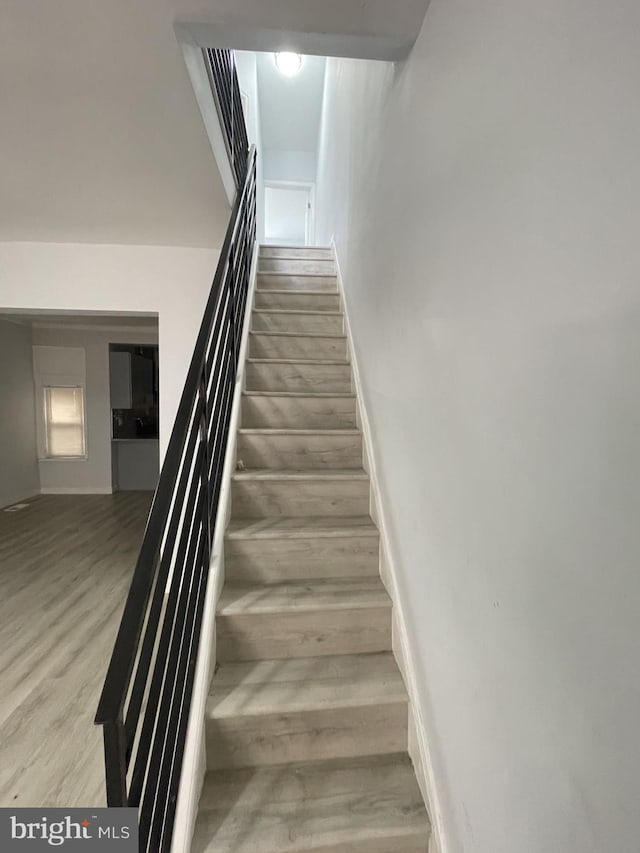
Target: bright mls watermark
81 830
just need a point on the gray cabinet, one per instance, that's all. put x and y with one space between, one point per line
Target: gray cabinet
131 380
135 464
120 380
141 381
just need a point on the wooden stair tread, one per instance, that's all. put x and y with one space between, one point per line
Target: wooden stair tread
301 528
308 595
300 431
285 292
301 394
341 361
295 684
300 273
278 334
296 311
356 804
309 474
305 248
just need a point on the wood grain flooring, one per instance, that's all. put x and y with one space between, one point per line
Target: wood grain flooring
65 567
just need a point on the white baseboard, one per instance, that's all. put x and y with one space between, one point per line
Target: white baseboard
77 490
417 741
194 765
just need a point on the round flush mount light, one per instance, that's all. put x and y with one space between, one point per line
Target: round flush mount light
288 63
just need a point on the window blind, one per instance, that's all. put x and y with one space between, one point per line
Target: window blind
64 421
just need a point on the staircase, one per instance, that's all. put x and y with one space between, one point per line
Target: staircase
306 729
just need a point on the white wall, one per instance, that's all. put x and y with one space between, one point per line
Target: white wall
171 281
294 166
484 201
93 474
18 465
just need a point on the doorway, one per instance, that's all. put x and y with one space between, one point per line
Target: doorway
134 403
289 213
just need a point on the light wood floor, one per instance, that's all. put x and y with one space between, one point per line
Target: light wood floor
65 567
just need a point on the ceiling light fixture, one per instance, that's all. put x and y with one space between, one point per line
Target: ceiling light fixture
288 64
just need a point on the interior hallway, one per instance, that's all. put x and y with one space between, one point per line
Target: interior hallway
65 567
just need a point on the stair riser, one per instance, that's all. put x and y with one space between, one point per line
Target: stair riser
299 266
301 453
299 412
273 560
265 499
305 252
290 281
297 301
404 843
264 739
331 378
329 324
296 346
302 633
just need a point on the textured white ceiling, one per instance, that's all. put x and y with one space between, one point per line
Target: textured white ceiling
290 107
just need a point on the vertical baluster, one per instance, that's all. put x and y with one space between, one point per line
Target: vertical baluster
115 760
173 699
205 424
232 309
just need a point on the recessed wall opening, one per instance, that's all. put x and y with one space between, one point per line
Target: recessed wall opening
289 209
134 403
285 116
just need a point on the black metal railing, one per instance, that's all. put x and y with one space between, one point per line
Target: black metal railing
145 702
221 68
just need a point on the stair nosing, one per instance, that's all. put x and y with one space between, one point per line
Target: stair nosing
301 708
306 260
297 474
219 692
295 311
277 334
302 432
296 248
317 608
297 432
282 291
295 394
299 274
350 597
309 533
342 361
237 530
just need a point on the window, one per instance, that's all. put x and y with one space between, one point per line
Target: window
64 422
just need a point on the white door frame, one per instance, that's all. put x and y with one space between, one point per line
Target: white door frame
310 221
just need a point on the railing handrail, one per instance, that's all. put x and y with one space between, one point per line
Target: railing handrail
147 695
221 69
118 676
